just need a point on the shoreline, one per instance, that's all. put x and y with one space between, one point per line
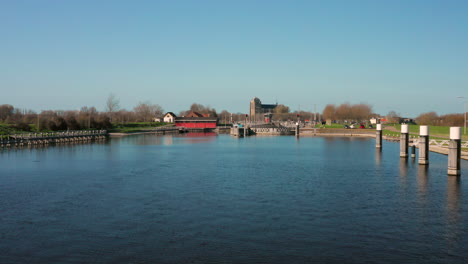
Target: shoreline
124 134
435 149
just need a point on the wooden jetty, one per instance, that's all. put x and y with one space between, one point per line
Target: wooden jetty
41 139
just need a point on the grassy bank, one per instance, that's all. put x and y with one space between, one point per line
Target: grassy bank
435 132
7 129
136 127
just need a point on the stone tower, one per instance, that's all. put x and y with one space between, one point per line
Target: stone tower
255 109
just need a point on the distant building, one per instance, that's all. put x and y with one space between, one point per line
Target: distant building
196 114
407 120
196 120
169 117
257 109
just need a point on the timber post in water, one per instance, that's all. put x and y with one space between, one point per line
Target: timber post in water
297 126
404 139
454 152
423 145
378 136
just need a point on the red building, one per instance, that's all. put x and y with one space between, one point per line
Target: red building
196 120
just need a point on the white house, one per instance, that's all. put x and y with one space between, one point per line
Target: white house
169 117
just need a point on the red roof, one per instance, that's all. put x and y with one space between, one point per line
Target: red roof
194 114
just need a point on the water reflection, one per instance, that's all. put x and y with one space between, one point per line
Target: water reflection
403 167
185 196
201 137
454 219
378 157
453 197
422 181
144 140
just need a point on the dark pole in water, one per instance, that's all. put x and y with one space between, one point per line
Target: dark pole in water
378 136
297 126
454 153
423 145
245 127
404 138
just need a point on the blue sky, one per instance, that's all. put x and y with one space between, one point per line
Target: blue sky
407 56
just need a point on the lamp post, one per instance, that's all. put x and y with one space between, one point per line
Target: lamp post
464 112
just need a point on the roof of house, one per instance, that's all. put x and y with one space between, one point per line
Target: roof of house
269 106
170 113
194 119
194 114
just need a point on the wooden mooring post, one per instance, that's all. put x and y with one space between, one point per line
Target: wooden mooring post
423 145
378 136
454 153
404 139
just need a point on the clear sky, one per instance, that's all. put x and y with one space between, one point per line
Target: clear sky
408 56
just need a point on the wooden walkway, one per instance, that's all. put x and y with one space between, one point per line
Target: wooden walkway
41 139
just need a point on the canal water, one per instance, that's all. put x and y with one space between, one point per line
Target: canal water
200 198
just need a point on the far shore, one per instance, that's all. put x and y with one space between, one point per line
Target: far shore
310 133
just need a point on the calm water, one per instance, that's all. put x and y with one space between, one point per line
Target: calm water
217 199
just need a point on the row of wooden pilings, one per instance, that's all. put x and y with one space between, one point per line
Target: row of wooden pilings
40 139
454 152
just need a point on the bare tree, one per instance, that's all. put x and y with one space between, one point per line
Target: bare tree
112 103
393 117
329 112
6 111
281 112
146 111
452 119
360 112
199 108
343 112
429 118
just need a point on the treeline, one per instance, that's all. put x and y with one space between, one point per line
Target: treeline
199 108
349 112
432 118
49 120
85 118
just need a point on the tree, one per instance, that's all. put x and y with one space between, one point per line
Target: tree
6 111
452 120
360 112
112 103
202 109
281 112
146 111
224 116
393 117
86 116
429 118
329 112
281 109
343 112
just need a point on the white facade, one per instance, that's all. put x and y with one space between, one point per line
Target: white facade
169 118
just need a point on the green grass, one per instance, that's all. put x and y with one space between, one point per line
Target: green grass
135 127
6 129
331 126
435 132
